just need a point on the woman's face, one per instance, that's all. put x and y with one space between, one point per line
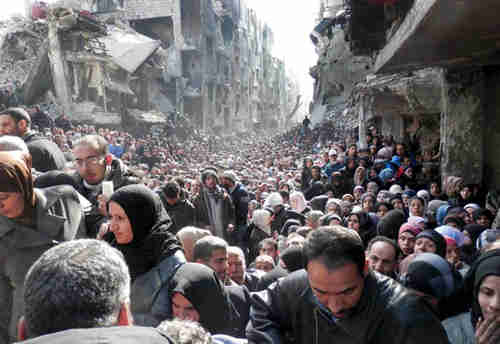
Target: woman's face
417 208
435 189
353 223
357 194
465 193
367 204
489 297
11 204
406 242
309 163
120 224
452 254
183 309
382 210
423 245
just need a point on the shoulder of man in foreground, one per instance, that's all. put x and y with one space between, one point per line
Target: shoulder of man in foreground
105 335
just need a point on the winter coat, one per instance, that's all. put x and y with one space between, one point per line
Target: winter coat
181 213
59 217
45 154
459 329
240 200
108 335
386 313
201 217
120 175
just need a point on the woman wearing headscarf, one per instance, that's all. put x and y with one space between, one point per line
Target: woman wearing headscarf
306 175
198 295
31 221
362 223
482 287
430 241
298 202
139 229
260 229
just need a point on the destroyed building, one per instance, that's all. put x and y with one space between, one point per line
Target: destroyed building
434 72
114 62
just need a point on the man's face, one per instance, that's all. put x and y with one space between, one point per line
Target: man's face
8 126
90 164
218 263
226 183
339 290
268 249
210 182
236 268
382 258
315 173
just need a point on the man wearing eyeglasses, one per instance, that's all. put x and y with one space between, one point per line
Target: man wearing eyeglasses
45 154
94 164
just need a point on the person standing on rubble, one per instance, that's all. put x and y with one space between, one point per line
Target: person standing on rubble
45 154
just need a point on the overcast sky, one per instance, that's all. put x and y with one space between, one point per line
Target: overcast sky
291 20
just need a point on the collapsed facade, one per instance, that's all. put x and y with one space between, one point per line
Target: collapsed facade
114 62
432 72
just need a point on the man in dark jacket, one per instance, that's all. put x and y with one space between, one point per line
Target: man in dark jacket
94 165
46 156
102 280
181 211
337 300
240 199
214 209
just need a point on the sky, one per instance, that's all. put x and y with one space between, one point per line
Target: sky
291 21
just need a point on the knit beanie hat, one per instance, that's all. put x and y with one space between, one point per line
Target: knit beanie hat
437 239
432 275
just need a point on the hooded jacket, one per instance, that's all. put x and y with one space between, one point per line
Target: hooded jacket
386 313
45 154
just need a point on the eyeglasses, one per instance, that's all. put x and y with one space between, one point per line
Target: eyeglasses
90 161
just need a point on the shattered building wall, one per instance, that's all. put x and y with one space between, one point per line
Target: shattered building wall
213 63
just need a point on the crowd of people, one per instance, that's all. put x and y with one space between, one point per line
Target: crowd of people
304 237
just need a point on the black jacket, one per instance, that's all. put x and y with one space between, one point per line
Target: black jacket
105 335
181 213
240 200
120 175
386 313
45 154
240 298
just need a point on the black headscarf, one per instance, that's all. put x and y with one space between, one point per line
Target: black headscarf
152 241
486 265
200 285
436 238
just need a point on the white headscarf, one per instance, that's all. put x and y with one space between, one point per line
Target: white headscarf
261 219
298 201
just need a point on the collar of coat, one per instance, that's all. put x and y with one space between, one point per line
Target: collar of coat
48 224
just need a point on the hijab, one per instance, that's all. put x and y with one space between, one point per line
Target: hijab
487 264
15 176
152 241
144 210
200 285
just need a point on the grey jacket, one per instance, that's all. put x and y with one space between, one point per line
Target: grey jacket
59 218
459 329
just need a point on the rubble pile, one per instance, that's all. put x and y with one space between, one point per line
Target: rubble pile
20 42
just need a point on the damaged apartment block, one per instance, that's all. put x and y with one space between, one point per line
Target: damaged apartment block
133 62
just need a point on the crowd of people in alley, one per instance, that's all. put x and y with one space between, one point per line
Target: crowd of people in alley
181 237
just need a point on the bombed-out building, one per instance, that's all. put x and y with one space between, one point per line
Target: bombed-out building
432 73
124 61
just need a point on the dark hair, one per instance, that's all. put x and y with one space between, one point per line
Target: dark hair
76 284
335 247
205 246
387 204
386 240
171 190
285 195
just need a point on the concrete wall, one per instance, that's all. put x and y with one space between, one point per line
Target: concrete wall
492 129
